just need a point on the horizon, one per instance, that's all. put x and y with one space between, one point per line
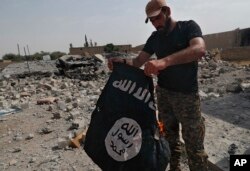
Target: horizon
51 26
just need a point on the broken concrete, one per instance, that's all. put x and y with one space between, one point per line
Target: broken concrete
60 106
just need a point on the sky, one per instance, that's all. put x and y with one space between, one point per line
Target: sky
51 25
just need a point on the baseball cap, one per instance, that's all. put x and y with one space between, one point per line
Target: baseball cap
153 8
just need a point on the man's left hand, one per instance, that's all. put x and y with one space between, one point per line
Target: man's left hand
154 66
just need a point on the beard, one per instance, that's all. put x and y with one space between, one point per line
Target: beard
160 28
165 27
167 24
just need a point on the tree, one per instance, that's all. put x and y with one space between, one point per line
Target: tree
110 48
13 57
38 56
57 54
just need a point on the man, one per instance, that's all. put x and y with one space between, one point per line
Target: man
178 45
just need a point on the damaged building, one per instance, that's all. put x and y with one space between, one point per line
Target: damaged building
233 45
96 49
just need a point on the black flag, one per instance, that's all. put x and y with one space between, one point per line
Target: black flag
123 132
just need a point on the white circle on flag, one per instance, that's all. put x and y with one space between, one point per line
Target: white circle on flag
124 139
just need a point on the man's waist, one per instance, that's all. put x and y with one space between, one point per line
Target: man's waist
184 88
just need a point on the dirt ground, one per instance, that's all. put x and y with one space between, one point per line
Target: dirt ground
25 144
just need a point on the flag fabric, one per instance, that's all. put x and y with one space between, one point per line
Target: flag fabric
123 134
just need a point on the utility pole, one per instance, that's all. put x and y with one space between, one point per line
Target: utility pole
18 49
86 42
28 50
26 59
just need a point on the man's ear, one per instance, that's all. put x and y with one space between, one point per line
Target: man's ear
166 10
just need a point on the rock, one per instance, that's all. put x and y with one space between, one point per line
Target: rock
212 94
48 100
78 123
50 108
75 104
84 84
64 86
232 149
45 130
32 160
13 162
202 94
57 115
25 94
245 86
29 136
212 64
16 150
17 137
62 143
24 105
45 86
91 84
62 106
233 88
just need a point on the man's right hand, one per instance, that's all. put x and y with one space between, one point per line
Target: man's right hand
116 59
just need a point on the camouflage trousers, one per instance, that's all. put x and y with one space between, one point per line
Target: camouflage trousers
180 108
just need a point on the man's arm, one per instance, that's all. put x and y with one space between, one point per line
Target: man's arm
139 60
136 62
194 52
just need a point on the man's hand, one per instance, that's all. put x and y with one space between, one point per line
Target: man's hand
154 66
111 60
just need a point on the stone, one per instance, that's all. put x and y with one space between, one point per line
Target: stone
245 86
62 106
202 94
46 130
234 88
13 162
232 149
32 160
29 136
25 105
16 150
25 94
17 137
48 100
62 143
57 115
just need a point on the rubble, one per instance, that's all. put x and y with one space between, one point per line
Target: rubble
81 67
55 110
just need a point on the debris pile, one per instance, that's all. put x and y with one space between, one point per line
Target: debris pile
55 110
217 78
80 67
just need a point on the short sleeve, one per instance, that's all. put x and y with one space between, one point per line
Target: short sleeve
149 46
193 30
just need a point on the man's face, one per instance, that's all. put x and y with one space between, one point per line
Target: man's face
158 21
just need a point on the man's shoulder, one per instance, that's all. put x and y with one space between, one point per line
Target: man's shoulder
153 33
186 23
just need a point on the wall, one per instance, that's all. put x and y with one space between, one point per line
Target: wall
236 53
245 37
222 40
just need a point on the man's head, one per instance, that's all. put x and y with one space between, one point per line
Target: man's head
157 12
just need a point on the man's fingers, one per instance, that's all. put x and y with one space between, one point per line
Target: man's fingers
110 64
150 69
111 60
